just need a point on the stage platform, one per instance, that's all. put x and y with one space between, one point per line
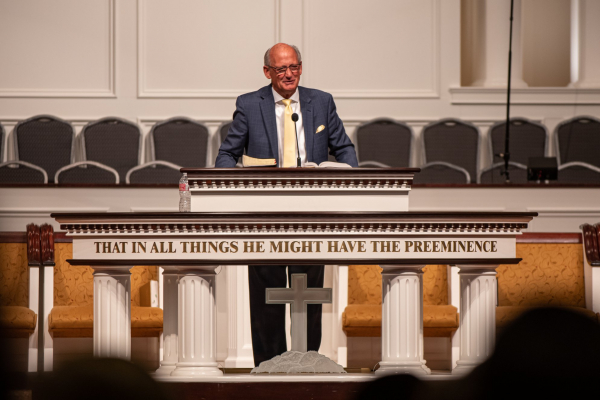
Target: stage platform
235 384
243 375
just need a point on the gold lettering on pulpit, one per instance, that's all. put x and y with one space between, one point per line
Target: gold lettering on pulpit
450 246
111 247
138 247
299 246
332 246
169 248
224 247
254 247
276 247
346 246
296 246
385 246
318 244
210 247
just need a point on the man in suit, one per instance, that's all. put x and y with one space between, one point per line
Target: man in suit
263 128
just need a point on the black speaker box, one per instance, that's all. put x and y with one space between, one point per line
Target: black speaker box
542 169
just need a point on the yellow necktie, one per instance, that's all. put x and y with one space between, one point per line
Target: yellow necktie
289 136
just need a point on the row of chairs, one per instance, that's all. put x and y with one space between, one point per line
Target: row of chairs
45 149
451 149
110 149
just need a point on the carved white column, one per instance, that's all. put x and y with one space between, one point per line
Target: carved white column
112 312
402 320
585 44
239 345
340 302
197 341
477 315
170 318
454 297
491 36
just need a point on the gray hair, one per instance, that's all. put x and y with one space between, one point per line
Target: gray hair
268 54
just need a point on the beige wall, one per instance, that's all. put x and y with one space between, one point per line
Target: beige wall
546 35
546 42
147 60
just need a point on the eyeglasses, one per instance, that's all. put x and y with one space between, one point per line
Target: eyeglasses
294 68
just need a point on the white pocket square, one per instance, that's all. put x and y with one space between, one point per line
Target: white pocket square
320 128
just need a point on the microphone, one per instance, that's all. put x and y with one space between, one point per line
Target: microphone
295 119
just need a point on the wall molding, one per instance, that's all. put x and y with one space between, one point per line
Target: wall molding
145 92
525 96
434 93
109 92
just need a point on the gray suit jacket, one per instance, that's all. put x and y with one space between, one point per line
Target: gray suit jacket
254 128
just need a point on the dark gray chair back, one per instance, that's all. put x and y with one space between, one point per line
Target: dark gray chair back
180 141
21 172
493 174
45 141
452 141
223 129
154 172
87 172
527 139
578 172
114 142
442 172
578 139
384 142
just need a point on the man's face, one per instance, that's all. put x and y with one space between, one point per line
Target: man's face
284 83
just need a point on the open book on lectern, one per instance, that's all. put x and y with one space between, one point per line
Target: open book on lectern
248 161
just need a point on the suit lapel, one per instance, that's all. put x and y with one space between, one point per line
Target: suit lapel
308 116
267 108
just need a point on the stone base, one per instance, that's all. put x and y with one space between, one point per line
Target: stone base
297 362
414 368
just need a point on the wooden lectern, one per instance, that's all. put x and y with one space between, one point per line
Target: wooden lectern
265 216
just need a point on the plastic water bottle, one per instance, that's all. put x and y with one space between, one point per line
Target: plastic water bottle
185 196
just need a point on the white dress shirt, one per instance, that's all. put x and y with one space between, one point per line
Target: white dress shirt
279 114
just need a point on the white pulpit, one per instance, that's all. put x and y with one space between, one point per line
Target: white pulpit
326 190
263 216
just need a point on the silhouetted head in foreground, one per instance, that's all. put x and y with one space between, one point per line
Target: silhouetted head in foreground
546 353
549 343
100 379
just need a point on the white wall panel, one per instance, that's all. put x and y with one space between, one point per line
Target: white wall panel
59 48
378 49
212 48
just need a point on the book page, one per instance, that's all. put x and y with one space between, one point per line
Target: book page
333 164
248 161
